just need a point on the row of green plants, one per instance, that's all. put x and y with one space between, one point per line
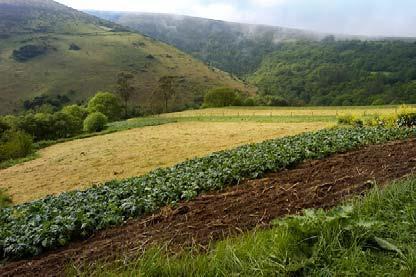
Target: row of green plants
17 133
32 228
373 236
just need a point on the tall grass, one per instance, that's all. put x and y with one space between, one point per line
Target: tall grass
374 236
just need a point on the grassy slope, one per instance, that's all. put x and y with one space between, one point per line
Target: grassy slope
102 56
374 236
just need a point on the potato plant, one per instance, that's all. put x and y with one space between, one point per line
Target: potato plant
32 228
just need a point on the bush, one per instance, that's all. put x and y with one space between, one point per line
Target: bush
221 97
15 144
76 111
107 104
28 52
95 122
349 119
4 126
5 200
406 120
44 126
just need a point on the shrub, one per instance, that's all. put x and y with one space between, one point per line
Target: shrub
5 200
28 52
406 120
95 122
74 47
15 144
349 119
44 126
4 126
220 97
107 104
76 111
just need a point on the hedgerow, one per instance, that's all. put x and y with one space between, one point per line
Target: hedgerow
31 228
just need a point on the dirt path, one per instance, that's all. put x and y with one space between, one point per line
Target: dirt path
254 203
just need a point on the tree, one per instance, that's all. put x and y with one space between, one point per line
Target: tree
167 86
125 89
107 104
95 122
76 111
220 97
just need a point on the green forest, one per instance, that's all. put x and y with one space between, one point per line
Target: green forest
340 72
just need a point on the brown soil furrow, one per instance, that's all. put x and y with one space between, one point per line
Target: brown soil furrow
254 203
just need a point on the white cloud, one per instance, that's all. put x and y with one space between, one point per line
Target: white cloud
367 17
268 3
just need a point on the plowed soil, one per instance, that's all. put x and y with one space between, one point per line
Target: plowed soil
252 204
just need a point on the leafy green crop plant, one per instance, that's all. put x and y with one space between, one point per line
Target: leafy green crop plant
32 228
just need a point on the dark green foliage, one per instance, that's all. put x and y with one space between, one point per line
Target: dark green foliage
15 144
76 111
31 228
221 97
340 73
54 101
44 126
74 47
28 52
212 41
5 200
107 104
95 122
4 126
406 120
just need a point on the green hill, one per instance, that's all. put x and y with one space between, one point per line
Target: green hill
340 73
302 67
48 48
212 41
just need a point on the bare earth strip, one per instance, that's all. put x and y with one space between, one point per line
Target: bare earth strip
79 164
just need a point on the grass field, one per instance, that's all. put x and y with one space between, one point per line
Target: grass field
81 163
287 112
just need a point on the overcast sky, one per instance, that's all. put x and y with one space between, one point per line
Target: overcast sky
361 17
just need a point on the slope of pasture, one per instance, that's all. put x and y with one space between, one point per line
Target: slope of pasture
79 164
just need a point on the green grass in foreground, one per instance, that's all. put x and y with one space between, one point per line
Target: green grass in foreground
374 236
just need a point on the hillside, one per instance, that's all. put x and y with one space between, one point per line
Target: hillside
212 41
340 73
302 67
48 48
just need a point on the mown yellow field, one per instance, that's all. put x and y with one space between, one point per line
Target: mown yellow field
80 163
289 111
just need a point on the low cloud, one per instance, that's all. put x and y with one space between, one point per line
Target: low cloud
364 17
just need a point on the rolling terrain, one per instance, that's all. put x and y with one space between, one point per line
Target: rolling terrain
302 67
212 41
48 48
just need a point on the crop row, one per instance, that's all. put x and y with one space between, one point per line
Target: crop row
31 228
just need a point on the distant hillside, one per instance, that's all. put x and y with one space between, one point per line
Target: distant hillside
232 47
340 72
302 67
48 48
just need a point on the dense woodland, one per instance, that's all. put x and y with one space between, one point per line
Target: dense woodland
340 72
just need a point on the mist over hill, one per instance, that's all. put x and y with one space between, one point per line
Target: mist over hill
300 66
